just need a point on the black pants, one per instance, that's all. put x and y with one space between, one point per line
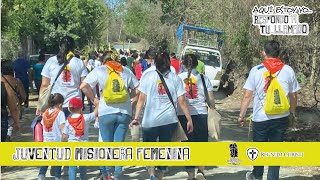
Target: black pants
269 131
164 133
199 133
26 89
38 85
200 127
4 128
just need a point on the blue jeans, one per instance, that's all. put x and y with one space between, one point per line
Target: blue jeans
113 128
57 171
164 133
73 172
269 131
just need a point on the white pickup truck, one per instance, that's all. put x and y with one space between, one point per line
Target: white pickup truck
206 50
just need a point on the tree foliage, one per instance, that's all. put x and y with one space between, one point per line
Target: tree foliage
45 22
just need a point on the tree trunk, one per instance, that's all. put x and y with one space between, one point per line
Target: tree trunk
314 51
313 66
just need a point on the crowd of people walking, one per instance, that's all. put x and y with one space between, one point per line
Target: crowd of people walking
126 90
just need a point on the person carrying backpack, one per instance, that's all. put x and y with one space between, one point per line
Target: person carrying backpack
15 96
274 86
115 108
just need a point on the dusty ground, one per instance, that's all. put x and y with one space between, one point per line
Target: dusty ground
229 109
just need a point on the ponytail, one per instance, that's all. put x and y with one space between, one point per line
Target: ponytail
190 61
66 44
55 99
50 101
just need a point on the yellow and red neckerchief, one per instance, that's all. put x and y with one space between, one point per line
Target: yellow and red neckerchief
114 65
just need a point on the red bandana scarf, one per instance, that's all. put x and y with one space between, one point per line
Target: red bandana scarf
273 64
49 118
77 124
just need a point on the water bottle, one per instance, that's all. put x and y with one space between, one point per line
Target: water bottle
38 130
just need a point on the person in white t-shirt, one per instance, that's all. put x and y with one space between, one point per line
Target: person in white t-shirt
69 80
53 122
268 128
114 118
196 100
159 118
77 130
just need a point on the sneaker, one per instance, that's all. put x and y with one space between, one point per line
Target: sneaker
200 175
249 176
153 177
41 177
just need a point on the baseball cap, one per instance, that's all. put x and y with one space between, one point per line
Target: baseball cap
75 103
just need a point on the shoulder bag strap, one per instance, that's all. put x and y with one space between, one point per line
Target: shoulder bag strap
60 71
166 88
15 91
205 89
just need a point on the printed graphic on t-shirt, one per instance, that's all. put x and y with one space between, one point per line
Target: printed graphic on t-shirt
161 89
66 75
191 87
48 135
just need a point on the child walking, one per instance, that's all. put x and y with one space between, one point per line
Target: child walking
53 122
77 130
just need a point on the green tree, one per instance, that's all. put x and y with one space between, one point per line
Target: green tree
45 22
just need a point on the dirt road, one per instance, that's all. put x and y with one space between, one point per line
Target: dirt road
229 110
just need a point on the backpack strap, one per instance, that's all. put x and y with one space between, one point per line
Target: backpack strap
205 89
14 90
60 71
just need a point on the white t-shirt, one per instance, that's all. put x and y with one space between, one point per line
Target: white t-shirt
196 97
153 68
97 63
68 82
100 75
158 108
69 130
256 83
93 63
53 134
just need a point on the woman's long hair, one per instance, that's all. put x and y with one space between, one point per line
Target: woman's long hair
66 44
